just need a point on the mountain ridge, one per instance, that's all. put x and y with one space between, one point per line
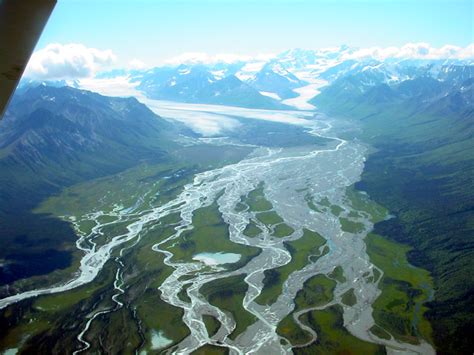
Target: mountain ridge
423 131
51 138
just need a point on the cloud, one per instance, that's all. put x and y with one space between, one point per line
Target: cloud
419 50
119 86
413 51
207 124
137 64
67 61
204 58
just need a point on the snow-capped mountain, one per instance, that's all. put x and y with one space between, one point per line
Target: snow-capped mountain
435 87
268 84
183 83
201 84
288 80
275 81
358 76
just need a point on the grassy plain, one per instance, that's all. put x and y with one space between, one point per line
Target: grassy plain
317 291
300 250
400 309
228 294
212 324
209 234
333 338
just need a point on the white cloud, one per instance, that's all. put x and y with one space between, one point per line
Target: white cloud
119 86
204 58
413 51
264 56
67 61
137 64
419 50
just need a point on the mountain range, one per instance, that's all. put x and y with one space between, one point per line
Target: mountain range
54 137
289 80
419 117
418 114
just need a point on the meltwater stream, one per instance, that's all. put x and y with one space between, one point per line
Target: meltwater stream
288 176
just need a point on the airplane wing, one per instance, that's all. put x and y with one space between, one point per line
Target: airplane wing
21 24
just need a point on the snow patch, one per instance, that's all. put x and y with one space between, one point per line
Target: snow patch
184 71
270 94
218 74
248 71
306 93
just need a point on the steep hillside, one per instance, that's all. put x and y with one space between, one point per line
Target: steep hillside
275 79
423 130
197 84
54 137
234 92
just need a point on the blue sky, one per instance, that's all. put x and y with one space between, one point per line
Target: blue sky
155 30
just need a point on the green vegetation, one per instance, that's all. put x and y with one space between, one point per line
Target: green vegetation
282 230
354 214
269 218
349 298
421 170
434 216
211 350
60 302
309 200
256 200
115 331
81 136
333 338
300 250
258 203
336 210
317 291
251 230
52 321
228 295
289 329
377 274
338 274
40 317
128 171
144 273
350 226
212 324
325 202
399 309
159 315
110 231
125 188
240 207
323 252
361 202
376 330
63 311
210 234
130 185
183 293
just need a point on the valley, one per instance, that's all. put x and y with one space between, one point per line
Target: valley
314 202
228 252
